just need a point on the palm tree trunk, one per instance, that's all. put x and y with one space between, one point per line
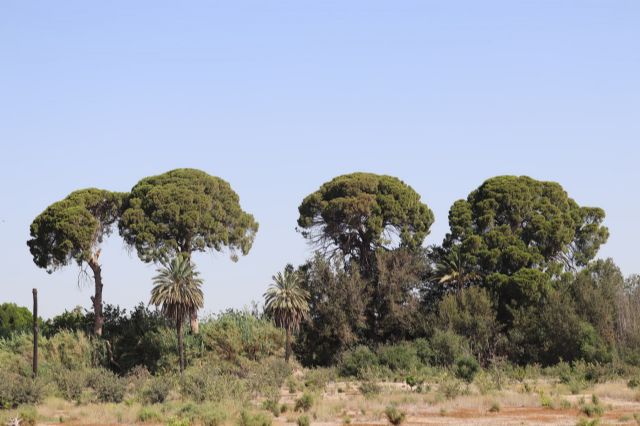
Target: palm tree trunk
287 350
98 321
180 344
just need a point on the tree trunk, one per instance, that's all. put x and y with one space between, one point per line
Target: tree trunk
287 350
35 332
193 321
97 297
180 345
193 316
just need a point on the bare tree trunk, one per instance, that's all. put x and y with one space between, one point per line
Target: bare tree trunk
194 323
180 345
193 316
35 332
287 350
97 297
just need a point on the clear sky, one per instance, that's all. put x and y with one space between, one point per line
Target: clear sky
277 97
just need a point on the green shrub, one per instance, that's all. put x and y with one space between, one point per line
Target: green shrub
356 362
592 409
28 416
450 388
213 384
369 388
466 368
213 416
399 357
304 403
414 381
258 419
634 382
156 390
318 378
272 406
303 421
17 390
148 414
108 386
394 415
446 347
70 384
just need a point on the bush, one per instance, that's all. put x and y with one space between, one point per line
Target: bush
28 416
17 390
369 388
356 362
592 409
156 390
394 415
450 389
148 414
70 384
446 347
272 406
258 419
304 403
108 386
466 368
633 382
399 357
213 416
318 378
303 421
211 384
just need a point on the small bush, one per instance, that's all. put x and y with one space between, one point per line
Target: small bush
272 406
446 347
587 422
258 419
213 416
304 403
399 357
156 390
495 408
634 382
28 416
318 378
70 384
148 414
108 386
303 421
17 390
414 381
369 388
593 409
466 368
356 362
394 415
450 389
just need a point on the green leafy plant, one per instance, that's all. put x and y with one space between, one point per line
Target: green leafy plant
394 415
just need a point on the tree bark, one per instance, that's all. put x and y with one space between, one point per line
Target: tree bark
193 316
180 345
97 297
287 350
35 332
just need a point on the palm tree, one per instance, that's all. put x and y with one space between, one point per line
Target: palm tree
453 269
287 303
177 288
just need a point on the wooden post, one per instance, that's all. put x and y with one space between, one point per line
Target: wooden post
35 332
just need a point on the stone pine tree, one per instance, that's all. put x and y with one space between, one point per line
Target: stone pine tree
511 222
185 211
357 214
72 230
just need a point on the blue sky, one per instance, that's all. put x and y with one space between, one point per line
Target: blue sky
277 97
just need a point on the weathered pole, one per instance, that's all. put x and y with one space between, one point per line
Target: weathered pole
35 332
